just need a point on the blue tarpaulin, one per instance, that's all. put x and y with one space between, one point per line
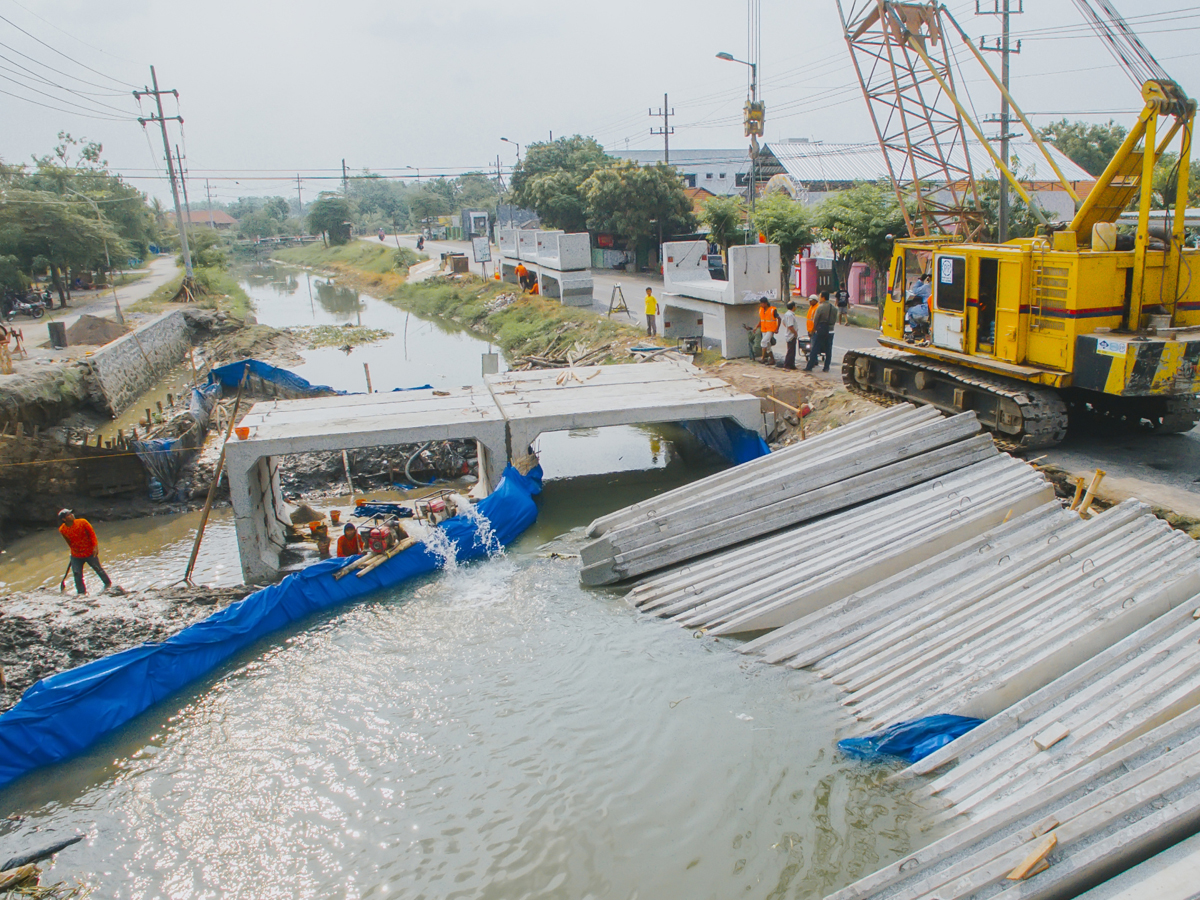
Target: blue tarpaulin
734 442
913 740
66 713
230 376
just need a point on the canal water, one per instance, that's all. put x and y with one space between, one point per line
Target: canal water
494 731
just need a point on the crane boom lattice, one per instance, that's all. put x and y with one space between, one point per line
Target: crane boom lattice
916 118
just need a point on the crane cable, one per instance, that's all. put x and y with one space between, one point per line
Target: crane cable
1124 44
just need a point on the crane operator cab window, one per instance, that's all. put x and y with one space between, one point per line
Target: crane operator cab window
985 318
950 301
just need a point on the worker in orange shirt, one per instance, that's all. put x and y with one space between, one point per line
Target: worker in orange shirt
522 274
768 324
81 538
350 543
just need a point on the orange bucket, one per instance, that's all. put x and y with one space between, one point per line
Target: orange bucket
335 516
242 431
313 527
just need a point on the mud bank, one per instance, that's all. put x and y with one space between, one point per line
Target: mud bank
45 631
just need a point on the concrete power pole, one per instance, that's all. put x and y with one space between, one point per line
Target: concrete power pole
187 207
1003 46
345 182
189 274
667 129
208 191
299 200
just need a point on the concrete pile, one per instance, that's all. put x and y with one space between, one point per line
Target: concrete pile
1095 708
1077 830
978 628
798 571
876 456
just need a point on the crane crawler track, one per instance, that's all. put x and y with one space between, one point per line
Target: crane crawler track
1021 416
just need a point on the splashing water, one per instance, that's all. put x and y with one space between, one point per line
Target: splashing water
483 530
442 547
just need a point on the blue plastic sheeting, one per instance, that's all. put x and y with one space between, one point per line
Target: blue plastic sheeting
382 509
230 376
158 455
913 740
66 713
731 440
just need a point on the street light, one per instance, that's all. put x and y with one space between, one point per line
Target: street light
729 57
515 144
120 317
416 169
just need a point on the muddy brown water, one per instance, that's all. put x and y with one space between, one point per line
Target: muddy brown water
493 731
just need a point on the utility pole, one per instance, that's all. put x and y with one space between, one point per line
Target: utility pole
345 182
1003 9
299 199
208 191
187 207
162 121
667 128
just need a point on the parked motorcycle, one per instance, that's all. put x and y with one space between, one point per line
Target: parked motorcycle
23 307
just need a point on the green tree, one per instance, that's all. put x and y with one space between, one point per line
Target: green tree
476 191
550 179
11 276
638 202
726 220
1089 146
207 248
428 202
786 223
327 217
258 224
277 208
860 223
41 228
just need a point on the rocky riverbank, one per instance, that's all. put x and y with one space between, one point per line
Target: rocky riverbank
45 631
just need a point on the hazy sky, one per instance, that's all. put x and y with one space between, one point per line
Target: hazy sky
270 89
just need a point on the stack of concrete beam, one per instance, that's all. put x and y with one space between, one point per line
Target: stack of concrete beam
778 579
1085 826
878 455
984 625
1117 695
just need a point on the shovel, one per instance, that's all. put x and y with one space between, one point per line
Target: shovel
62 585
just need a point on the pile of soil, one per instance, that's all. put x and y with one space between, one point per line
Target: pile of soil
44 631
94 331
828 403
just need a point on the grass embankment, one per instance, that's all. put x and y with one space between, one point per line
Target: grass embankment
222 292
368 267
529 325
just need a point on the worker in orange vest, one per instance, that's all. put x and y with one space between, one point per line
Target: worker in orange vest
768 324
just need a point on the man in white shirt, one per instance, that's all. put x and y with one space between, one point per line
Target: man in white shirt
791 334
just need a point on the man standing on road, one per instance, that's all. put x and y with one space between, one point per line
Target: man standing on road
651 314
824 319
791 334
768 325
81 538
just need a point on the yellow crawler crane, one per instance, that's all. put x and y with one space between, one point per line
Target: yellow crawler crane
1076 318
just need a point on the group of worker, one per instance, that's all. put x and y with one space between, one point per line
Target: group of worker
819 322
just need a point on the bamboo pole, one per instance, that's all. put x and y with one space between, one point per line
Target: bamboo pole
1091 493
212 488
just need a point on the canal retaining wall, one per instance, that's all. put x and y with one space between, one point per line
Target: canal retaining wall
124 369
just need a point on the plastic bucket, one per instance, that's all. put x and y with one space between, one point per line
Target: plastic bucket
335 516
242 431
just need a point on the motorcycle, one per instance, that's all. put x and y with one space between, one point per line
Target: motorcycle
25 308
46 298
421 243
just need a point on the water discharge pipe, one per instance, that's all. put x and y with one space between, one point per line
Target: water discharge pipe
407 473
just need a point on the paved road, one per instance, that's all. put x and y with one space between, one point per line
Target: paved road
93 303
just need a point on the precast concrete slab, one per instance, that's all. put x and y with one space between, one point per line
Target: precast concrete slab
505 414
1173 874
282 427
1087 826
540 401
